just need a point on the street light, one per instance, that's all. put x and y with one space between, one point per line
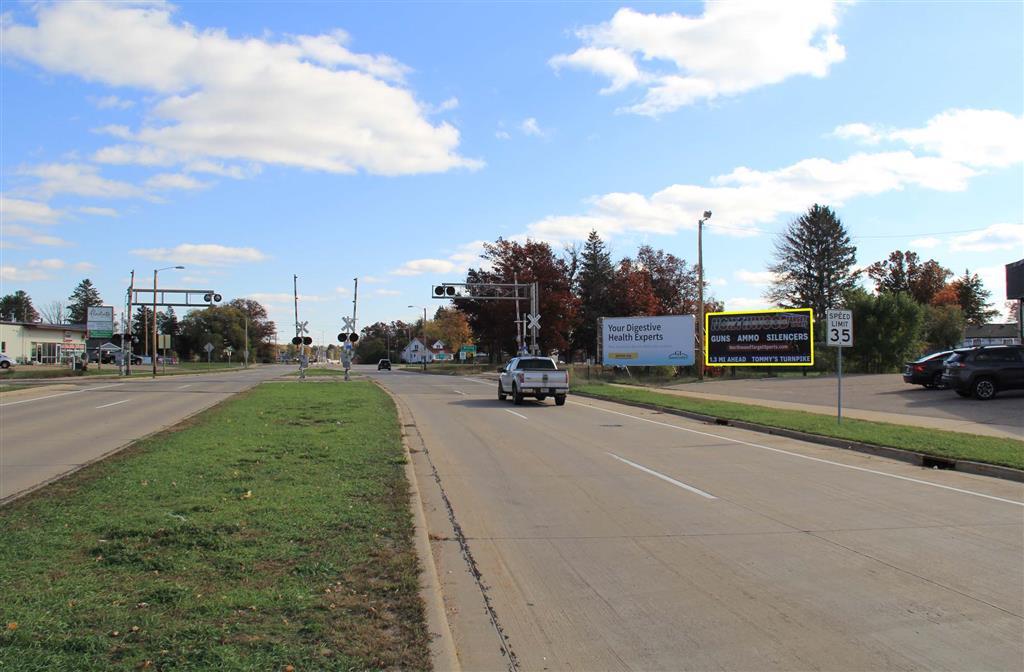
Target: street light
155 271
423 358
700 291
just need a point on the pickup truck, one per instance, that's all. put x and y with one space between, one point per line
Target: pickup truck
533 377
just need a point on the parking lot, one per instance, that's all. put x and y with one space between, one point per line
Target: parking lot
883 394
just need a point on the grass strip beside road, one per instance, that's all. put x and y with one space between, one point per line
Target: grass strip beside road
954 445
269 531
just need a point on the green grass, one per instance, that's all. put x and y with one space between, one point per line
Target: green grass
273 530
37 372
956 445
317 372
450 368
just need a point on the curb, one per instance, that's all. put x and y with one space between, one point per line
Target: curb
919 459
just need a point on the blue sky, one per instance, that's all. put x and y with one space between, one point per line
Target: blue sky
385 141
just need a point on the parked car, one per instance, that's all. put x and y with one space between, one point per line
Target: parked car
6 362
927 370
384 364
533 377
983 371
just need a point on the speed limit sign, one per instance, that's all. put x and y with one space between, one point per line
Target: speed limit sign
840 328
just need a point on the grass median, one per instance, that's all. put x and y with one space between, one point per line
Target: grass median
955 445
270 531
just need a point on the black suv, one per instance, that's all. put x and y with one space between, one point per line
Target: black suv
985 370
384 364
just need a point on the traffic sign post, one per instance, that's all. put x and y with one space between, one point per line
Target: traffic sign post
209 349
839 334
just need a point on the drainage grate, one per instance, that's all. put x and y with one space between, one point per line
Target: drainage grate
937 463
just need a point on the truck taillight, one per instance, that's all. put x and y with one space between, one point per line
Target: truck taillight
520 377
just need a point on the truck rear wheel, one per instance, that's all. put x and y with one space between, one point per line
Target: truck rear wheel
517 396
559 400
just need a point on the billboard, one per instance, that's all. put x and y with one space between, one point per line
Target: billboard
99 321
1015 280
783 337
648 341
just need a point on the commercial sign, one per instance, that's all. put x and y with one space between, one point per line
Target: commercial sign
648 341
99 321
782 337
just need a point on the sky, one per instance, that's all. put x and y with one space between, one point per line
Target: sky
386 141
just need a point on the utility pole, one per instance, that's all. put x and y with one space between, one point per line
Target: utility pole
247 341
700 293
302 347
127 349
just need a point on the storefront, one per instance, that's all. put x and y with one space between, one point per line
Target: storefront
26 342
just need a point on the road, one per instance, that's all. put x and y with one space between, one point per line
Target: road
52 430
885 394
613 538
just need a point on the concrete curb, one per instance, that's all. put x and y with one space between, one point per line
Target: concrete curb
919 459
442 647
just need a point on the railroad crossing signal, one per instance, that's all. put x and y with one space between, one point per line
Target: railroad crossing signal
349 323
534 320
302 327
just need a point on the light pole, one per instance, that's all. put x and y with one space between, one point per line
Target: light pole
700 291
423 358
155 271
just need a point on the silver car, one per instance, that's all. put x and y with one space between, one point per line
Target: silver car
6 362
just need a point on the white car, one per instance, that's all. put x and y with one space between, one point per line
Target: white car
535 377
6 362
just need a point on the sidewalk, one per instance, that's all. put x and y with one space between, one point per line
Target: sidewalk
928 422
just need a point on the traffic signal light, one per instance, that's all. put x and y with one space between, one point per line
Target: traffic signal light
444 290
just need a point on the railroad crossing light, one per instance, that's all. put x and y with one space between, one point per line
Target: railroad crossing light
342 337
297 340
353 337
207 297
450 291
307 340
217 298
439 291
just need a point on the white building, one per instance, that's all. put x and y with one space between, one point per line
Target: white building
42 343
417 353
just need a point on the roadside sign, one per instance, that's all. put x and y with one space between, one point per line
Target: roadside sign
163 341
349 323
302 327
647 340
783 337
840 328
468 348
100 321
534 320
208 347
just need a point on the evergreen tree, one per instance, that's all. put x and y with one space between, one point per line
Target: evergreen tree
903 273
84 297
167 322
943 326
595 279
888 328
18 307
973 298
813 263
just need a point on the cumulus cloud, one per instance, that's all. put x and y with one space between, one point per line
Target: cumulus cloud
925 243
978 138
387 292
305 101
15 274
101 212
18 210
175 181
202 254
49 264
79 179
755 277
733 47
529 126
33 236
991 239
112 102
421 266
746 303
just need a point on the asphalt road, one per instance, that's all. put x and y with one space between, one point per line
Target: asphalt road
54 429
885 393
613 538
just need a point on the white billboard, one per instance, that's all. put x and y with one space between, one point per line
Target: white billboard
100 321
666 340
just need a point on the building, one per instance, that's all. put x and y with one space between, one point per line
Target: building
991 334
417 353
26 342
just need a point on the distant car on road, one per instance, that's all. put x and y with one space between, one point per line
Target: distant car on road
384 364
983 371
927 370
6 362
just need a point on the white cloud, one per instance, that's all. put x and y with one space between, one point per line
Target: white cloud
49 264
101 212
371 279
79 179
83 266
214 168
445 106
112 102
33 236
732 48
18 210
14 274
306 101
979 138
175 181
926 243
745 198
421 266
745 303
341 290
202 254
502 135
284 297
387 292
530 127
992 238
755 277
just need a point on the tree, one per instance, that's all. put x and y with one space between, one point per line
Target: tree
888 328
927 280
632 292
673 282
973 298
594 280
903 273
18 307
1013 310
55 312
813 265
84 297
451 326
261 328
167 322
943 326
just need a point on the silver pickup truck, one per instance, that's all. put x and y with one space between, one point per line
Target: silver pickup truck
533 377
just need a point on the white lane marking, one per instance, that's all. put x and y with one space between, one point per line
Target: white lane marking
184 386
62 394
509 410
663 477
482 382
460 392
123 401
804 457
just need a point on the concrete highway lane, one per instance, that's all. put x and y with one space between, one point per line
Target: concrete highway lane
614 538
52 430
